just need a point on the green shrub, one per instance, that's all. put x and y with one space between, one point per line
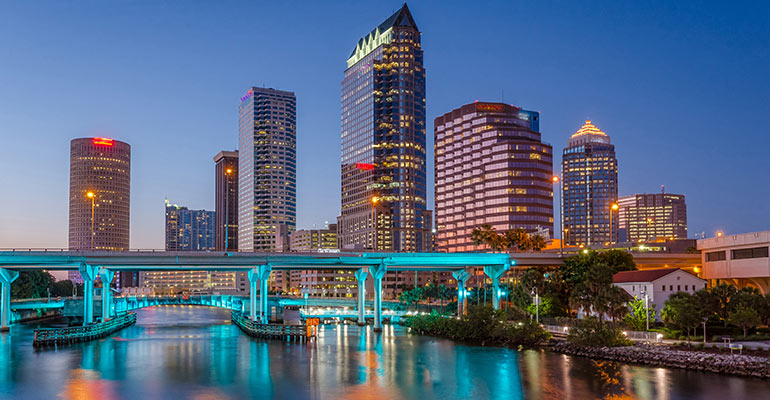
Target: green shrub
590 332
482 324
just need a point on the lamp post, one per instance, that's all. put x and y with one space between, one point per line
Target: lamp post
649 228
227 205
537 305
614 207
375 199
646 309
91 195
555 180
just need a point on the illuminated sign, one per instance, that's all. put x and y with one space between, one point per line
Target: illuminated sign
100 141
489 107
246 96
365 167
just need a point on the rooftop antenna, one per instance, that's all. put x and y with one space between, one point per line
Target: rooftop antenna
663 189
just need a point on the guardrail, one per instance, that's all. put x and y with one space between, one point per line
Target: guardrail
561 331
56 336
274 331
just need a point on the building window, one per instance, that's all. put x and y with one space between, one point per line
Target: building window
717 256
678 288
663 288
755 252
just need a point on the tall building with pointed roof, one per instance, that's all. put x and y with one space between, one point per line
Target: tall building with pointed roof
383 141
590 187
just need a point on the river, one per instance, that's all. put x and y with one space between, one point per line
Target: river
187 352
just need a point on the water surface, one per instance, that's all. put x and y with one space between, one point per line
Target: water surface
187 352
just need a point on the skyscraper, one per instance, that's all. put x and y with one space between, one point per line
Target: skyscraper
100 189
652 217
491 168
590 187
186 230
267 167
383 141
226 200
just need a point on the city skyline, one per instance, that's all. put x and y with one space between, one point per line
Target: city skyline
688 147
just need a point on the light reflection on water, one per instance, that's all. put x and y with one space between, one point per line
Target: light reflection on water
194 352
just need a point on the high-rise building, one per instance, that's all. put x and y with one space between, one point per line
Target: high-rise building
491 168
267 167
590 187
320 282
226 200
383 141
189 230
307 240
186 230
100 189
652 217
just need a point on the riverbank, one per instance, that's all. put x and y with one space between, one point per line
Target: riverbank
665 356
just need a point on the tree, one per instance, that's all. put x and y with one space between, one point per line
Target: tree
682 312
538 243
485 234
31 285
409 297
745 318
637 317
721 295
61 288
596 293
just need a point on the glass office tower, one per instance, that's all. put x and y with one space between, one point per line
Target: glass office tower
590 179
267 168
383 141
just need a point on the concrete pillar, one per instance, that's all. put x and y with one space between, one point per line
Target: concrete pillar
264 274
461 276
377 272
494 272
106 276
253 278
88 273
6 278
361 278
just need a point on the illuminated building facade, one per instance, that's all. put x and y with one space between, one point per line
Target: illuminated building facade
102 167
590 187
652 217
318 282
491 168
226 200
267 167
188 230
383 141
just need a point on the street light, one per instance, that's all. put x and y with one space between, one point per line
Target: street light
91 195
227 205
649 227
375 200
555 180
719 233
646 309
537 305
613 207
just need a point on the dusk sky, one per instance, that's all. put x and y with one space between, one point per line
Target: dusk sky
682 89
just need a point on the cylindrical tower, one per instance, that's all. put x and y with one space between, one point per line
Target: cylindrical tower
100 177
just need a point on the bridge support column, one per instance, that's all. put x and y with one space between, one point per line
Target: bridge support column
378 271
494 272
361 278
462 302
264 274
253 278
106 276
88 272
6 278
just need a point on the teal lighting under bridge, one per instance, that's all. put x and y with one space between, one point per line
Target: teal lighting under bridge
259 266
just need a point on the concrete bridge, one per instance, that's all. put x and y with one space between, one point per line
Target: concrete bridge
103 264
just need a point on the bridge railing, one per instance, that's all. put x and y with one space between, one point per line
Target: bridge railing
275 331
52 336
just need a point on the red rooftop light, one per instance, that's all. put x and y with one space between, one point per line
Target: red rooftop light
100 141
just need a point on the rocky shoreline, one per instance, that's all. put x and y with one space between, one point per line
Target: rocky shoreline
665 356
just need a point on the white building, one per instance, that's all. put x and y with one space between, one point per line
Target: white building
741 260
658 284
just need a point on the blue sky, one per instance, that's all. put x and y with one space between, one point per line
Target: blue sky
682 88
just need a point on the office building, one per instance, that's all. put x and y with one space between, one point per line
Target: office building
491 168
186 230
320 282
383 141
741 260
267 168
652 217
99 199
226 200
590 187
